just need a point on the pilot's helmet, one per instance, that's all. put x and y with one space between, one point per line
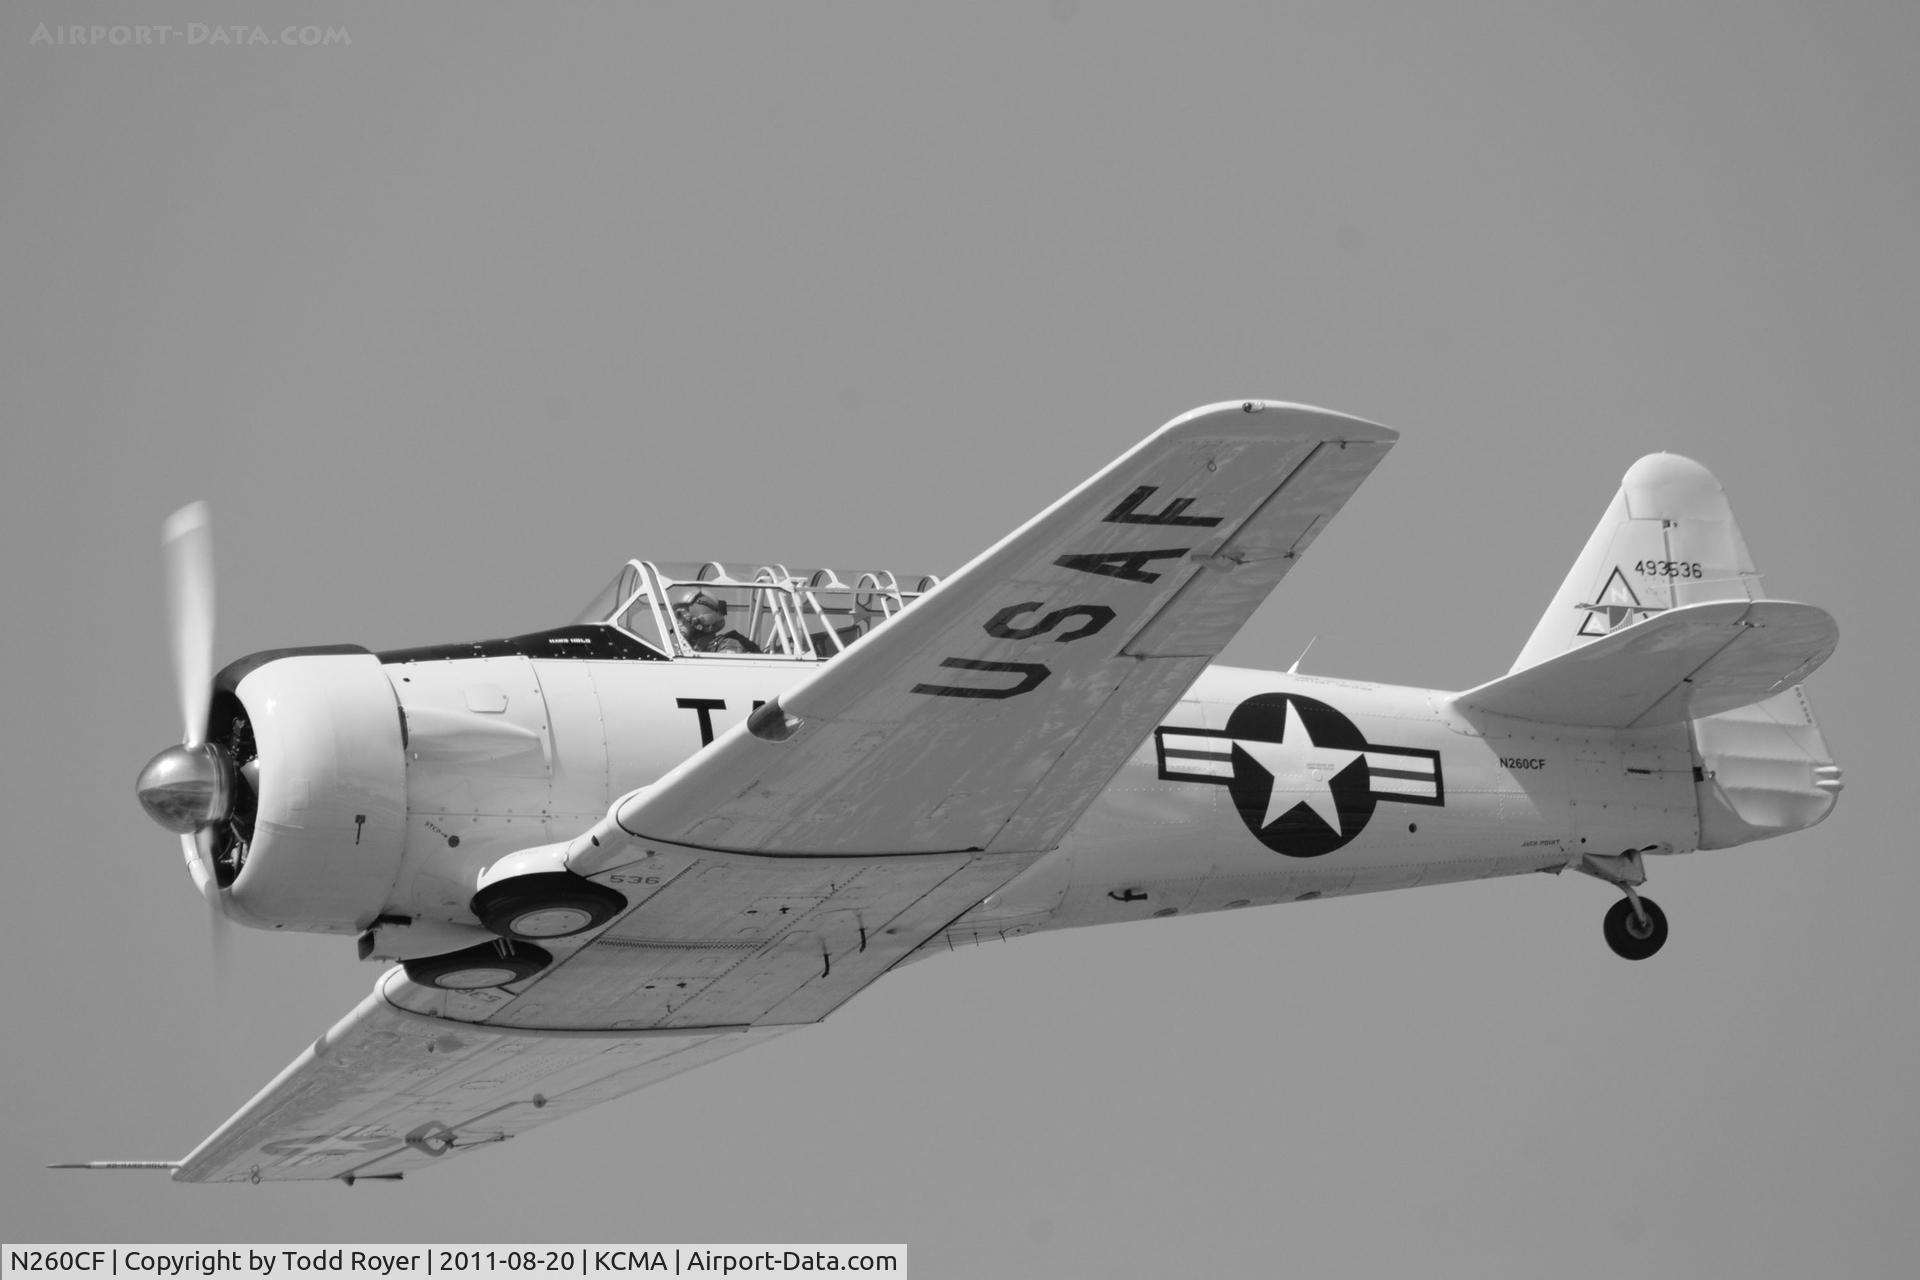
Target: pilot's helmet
701 614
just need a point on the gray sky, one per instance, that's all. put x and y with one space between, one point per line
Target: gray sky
448 321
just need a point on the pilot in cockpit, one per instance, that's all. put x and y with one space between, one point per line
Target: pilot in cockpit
702 618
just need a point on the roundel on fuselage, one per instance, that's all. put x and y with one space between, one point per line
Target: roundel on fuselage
1300 776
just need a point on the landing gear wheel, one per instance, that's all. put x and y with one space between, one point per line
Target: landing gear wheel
546 904
491 964
1629 935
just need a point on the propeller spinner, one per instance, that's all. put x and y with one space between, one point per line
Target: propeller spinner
185 788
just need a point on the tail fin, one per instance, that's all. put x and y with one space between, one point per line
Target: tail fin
1667 540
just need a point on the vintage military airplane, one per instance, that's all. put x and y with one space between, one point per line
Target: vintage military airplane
609 852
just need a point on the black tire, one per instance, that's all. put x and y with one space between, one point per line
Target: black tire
547 904
1627 936
491 964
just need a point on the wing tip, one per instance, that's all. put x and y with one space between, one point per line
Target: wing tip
1330 423
117 1164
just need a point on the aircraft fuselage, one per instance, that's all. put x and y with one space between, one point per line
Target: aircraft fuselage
1259 787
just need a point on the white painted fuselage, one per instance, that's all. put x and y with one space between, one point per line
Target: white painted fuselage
1239 799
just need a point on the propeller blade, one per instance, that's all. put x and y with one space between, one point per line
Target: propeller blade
219 927
220 949
186 545
200 870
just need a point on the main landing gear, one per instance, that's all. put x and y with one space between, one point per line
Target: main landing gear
546 904
1635 927
523 910
491 964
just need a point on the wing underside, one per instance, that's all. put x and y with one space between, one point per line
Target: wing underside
386 1092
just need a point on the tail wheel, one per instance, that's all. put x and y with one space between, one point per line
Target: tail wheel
1631 936
547 904
491 964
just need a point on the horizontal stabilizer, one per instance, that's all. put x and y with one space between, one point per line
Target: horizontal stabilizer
1678 664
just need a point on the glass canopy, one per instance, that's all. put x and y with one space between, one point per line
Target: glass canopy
684 609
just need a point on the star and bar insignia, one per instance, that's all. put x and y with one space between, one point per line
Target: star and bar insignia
1303 777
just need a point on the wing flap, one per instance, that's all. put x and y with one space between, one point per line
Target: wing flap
735 940
387 1091
1680 664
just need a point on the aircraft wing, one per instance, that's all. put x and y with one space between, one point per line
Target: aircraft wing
989 715
797 858
386 1092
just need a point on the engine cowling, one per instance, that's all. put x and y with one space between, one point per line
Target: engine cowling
320 824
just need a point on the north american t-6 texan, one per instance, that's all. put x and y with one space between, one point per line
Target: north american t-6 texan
725 800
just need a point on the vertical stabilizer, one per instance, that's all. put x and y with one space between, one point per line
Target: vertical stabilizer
1669 539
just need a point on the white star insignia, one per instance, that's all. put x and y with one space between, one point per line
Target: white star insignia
1296 754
